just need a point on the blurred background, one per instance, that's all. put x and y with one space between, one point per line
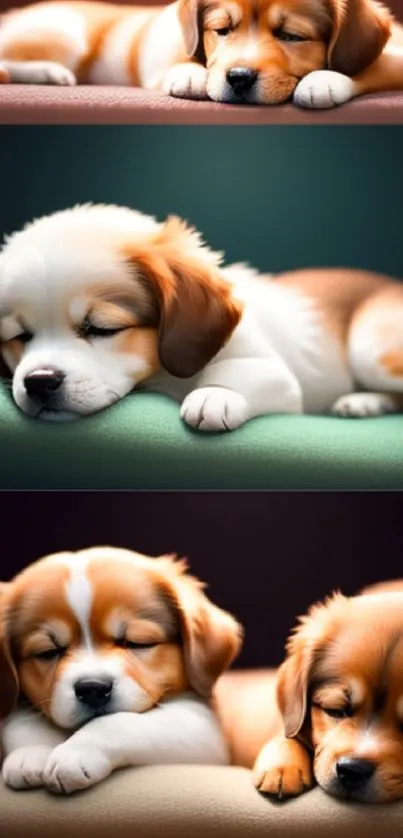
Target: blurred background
266 557
280 197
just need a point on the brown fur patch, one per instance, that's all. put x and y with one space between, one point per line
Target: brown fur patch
196 309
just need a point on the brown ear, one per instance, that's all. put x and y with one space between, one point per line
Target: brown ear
212 638
188 13
8 673
292 692
196 312
305 648
360 31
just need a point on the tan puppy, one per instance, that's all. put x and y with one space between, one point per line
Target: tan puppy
340 696
113 656
254 51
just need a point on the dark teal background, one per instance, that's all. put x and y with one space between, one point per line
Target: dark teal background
281 197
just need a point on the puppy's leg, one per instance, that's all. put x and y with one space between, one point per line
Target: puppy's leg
326 88
37 72
231 391
375 353
186 81
43 44
28 740
182 730
364 405
283 768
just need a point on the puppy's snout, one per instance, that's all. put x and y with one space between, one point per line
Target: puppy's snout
43 382
353 772
94 692
241 79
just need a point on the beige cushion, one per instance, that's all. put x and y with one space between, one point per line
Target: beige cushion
194 802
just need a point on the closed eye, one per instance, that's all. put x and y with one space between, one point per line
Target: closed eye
24 337
50 654
283 35
337 712
90 330
131 644
223 31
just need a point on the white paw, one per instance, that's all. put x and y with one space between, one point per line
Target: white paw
39 72
214 409
323 89
186 81
72 768
23 768
361 405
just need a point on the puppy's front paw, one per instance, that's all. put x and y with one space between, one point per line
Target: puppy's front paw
186 81
73 768
214 409
23 768
323 89
283 769
364 405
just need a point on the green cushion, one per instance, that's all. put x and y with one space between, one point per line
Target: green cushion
141 443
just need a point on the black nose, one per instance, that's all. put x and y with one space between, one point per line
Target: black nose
241 79
354 772
94 692
43 382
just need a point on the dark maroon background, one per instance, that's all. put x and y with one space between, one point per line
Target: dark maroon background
266 556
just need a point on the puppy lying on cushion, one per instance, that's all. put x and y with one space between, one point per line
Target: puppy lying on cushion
234 51
114 656
98 300
340 695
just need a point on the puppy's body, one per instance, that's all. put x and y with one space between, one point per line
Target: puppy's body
96 301
114 657
252 51
340 697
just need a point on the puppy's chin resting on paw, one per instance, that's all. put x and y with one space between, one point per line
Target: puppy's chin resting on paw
340 698
117 656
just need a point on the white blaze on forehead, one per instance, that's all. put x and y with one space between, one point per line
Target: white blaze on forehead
79 591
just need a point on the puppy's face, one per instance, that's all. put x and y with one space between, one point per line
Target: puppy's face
106 630
256 51
341 691
96 299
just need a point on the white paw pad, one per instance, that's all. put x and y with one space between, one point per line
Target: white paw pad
362 405
214 409
323 89
186 81
23 768
73 769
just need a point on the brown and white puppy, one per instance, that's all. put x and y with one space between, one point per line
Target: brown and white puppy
113 657
340 696
252 51
97 301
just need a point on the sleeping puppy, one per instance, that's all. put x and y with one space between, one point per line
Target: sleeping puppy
234 51
114 656
98 300
340 695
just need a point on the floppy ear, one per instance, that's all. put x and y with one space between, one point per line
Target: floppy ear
188 13
360 31
196 312
305 648
212 638
8 673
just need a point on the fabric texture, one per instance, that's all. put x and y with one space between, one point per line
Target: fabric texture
175 801
28 104
141 443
